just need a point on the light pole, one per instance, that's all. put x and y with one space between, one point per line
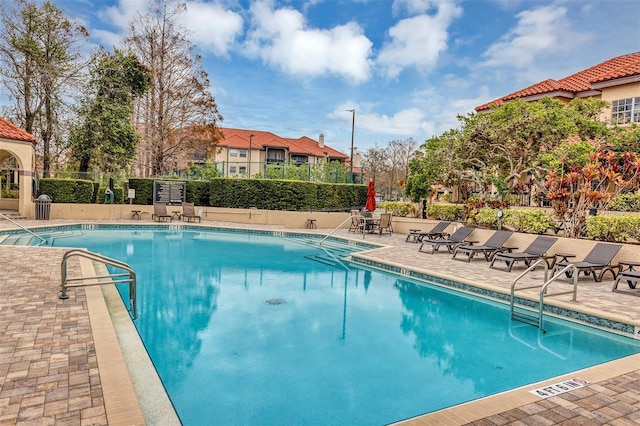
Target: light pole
249 157
353 126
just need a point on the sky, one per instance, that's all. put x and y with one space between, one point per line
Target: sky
407 67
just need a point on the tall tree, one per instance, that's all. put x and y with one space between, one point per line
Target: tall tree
178 110
399 154
40 61
373 163
106 137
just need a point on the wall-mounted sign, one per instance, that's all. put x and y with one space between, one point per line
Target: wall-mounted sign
166 192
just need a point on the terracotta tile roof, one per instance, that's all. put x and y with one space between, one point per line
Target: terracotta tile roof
9 130
239 138
307 145
582 81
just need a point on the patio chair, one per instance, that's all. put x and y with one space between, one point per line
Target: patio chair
189 212
384 225
356 222
160 213
456 239
598 259
436 232
493 245
536 250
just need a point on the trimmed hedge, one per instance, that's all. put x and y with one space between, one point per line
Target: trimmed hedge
613 228
450 212
401 208
625 203
68 190
268 194
533 221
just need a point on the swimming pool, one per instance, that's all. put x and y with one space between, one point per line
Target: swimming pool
276 338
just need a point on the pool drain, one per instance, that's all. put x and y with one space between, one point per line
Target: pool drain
275 301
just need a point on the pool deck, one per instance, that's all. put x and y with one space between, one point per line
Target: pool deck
61 363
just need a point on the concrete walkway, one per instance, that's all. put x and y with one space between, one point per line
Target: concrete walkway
53 370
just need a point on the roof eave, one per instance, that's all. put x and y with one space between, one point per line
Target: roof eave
555 94
588 94
616 82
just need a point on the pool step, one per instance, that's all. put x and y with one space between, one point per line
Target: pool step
327 260
16 240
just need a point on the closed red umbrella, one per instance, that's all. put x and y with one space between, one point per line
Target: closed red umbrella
371 198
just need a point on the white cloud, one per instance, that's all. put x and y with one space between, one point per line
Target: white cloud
418 41
214 29
410 122
107 38
125 11
280 37
541 31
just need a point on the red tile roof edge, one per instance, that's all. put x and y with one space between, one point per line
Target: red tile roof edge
8 130
611 69
302 145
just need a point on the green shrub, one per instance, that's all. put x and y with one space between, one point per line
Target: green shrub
534 221
485 216
67 190
613 228
144 190
198 192
633 226
625 203
450 212
446 197
400 208
10 193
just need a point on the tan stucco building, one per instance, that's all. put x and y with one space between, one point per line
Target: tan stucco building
616 81
17 143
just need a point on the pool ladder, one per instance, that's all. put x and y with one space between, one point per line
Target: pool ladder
117 278
527 316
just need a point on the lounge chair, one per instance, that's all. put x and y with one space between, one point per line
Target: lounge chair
631 277
189 212
536 250
384 225
436 232
160 213
456 239
493 245
598 259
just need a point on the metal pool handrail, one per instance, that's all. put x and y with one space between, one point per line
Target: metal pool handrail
337 227
95 280
42 240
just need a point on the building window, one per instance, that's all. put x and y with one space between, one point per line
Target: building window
243 153
625 111
275 156
232 169
243 170
299 159
233 152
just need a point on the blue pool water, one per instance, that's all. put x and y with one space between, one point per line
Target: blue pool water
245 329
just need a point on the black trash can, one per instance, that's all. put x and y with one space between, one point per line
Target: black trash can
43 207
